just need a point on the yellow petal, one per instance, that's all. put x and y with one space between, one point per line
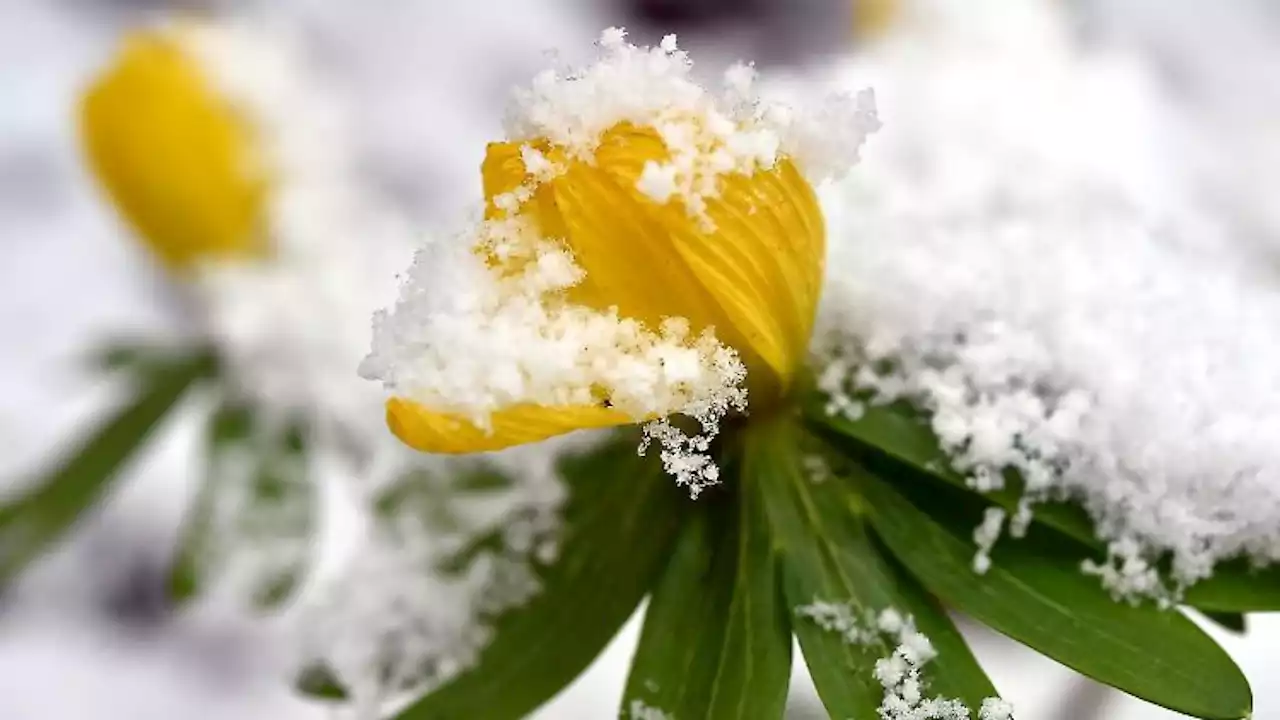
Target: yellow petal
175 159
429 431
503 171
755 278
763 262
627 255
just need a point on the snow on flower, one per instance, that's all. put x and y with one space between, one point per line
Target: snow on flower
648 249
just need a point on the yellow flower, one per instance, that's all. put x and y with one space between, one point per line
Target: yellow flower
176 160
871 18
748 265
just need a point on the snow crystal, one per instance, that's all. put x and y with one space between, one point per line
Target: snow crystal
816 468
915 648
995 709
901 672
1019 259
839 618
985 537
706 135
658 181
890 621
638 710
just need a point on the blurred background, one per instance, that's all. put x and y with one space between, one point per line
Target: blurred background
88 632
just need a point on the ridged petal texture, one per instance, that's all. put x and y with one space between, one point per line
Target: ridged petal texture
752 273
174 157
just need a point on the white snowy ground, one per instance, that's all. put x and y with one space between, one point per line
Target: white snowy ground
68 276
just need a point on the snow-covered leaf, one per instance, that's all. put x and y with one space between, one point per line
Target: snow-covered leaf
253 520
33 522
1237 587
895 430
828 556
1036 593
621 516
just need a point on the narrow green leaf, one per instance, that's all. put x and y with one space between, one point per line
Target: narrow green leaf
1234 623
622 514
137 356
1237 587
319 683
32 523
898 432
828 555
120 355
755 668
230 426
684 629
255 511
716 642
1036 594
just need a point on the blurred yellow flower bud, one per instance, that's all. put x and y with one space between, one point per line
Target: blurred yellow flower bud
174 157
871 18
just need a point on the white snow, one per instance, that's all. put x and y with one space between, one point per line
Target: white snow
901 673
1020 248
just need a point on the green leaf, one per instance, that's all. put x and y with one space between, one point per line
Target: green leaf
230 426
1234 623
437 499
319 683
716 641
255 511
621 516
1237 587
32 523
675 664
828 555
898 432
120 355
137 356
1035 593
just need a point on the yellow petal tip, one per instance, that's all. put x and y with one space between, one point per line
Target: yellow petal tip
429 431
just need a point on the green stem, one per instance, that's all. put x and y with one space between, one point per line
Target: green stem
33 522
